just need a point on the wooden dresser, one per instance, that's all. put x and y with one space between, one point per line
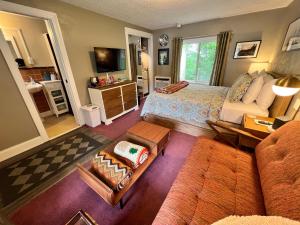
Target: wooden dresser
114 100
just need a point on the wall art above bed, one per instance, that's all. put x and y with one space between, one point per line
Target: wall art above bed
246 49
292 38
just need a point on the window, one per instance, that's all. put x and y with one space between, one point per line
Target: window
197 59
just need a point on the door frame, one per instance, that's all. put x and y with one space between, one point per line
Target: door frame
56 37
131 31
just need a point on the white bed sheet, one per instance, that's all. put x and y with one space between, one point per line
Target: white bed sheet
233 112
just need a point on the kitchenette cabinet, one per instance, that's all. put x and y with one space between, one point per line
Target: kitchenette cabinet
114 100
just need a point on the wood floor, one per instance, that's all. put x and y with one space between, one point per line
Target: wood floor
57 126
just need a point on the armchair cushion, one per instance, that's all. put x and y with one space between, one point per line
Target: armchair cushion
278 158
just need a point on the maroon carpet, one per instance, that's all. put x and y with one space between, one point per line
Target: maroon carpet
56 205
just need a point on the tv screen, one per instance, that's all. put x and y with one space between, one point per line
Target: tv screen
110 59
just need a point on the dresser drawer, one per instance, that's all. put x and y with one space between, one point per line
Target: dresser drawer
129 96
112 101
111 94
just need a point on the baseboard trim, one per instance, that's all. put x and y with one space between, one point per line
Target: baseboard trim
20 148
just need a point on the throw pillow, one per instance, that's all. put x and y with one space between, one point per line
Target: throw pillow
253 90
239 88
266 95
267 77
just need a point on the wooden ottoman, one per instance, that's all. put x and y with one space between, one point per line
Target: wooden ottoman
152 132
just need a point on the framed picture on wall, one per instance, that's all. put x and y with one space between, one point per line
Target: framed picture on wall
246 49
292 37
163 56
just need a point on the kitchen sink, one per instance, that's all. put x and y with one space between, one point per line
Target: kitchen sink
33 87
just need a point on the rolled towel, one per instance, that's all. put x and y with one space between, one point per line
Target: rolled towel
136 154
113 172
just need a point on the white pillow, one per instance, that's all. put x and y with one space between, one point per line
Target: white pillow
266 95
253 91
267 77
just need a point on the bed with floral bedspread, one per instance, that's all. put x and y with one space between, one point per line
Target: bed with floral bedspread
193 104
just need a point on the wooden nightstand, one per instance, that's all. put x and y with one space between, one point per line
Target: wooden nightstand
258 130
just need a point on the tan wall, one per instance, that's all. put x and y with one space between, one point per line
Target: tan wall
16 123
288 62
32 30
82 30
265 26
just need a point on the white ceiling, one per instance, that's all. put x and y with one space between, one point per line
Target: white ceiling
156 14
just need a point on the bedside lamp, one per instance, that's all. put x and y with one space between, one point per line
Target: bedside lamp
286 86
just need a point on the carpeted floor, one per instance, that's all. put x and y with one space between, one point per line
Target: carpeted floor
26 174
59 203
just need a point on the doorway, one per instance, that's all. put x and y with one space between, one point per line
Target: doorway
139 46
32 51
66 75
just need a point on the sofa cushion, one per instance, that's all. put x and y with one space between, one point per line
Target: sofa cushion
278 160
216 181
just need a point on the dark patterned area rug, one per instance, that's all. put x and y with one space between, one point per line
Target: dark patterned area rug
26 174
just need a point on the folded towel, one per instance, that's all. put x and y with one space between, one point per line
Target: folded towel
136 154
113 172
172 87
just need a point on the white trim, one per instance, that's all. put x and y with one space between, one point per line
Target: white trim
130 31
58 45
20 148
21 85
59 49
62 58
65 67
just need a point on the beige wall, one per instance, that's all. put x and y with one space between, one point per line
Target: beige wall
288 62
16 123
265 26
82 30
32 30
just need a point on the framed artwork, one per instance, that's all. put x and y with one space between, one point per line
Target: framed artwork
292 37
163 56
246 49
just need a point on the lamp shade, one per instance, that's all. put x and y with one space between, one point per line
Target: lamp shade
286 86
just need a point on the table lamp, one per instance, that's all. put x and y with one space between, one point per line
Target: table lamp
286 86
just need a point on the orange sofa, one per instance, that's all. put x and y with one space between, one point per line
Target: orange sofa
218 181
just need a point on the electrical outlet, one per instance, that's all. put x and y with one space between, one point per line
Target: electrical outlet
297 104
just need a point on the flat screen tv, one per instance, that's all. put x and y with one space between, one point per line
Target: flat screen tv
110 59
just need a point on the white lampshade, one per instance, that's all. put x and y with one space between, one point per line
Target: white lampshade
286 86
284 91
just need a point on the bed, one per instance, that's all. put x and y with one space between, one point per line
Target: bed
233 112
188 109
193 104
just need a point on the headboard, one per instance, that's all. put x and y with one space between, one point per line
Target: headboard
280 104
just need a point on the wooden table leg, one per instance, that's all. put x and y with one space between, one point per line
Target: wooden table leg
163 152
